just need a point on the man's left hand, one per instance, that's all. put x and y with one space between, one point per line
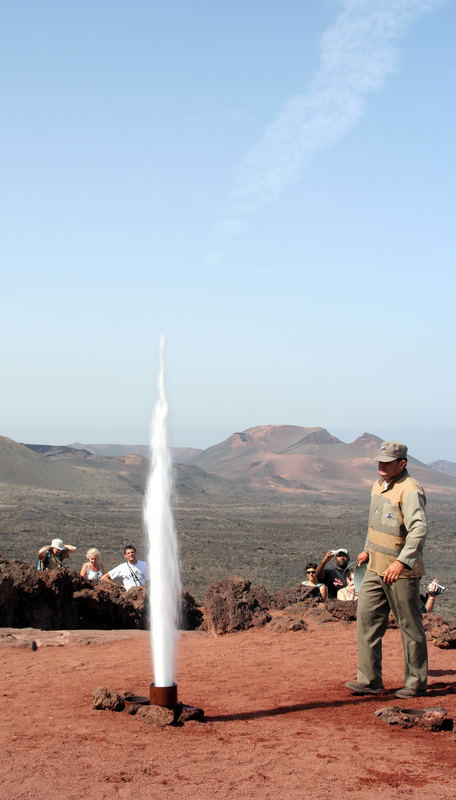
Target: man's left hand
393 572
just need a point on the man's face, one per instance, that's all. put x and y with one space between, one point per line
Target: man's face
342 560
391 469
56 551
130 555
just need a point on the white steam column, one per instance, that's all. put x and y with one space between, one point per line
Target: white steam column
163 558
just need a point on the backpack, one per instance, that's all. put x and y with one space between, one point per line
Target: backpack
42 564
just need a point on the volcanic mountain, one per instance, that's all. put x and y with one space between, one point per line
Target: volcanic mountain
293 458
283 458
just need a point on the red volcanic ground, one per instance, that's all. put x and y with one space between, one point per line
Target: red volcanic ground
280 723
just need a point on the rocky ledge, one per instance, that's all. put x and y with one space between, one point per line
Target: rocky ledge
62 600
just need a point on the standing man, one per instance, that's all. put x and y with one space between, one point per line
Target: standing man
395 538
133 572
334 578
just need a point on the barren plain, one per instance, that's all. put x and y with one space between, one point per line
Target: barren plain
279 721
267 539
262 513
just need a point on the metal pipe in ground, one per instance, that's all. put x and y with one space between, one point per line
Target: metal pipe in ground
165 696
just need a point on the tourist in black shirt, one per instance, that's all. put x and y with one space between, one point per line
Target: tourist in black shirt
335 577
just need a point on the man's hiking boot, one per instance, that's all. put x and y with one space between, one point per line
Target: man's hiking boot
361 688
406 692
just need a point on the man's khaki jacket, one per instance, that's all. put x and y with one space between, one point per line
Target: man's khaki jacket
397 526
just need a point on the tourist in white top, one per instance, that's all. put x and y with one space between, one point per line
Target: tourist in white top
93 569
133 573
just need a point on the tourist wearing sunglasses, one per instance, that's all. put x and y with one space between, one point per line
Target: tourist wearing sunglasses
311 579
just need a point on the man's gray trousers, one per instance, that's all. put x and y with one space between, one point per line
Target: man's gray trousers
376 598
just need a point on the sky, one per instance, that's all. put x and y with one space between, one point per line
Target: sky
271 186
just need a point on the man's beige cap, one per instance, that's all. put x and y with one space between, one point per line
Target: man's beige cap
390 451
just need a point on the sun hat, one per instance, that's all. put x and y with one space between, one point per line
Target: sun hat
58 544
391 451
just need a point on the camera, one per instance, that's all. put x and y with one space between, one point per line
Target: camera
435 588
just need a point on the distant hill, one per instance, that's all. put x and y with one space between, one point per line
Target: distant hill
75 455
54 451
447 467
70 470
180 455
21 466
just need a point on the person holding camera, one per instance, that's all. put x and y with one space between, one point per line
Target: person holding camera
428 599
348 592
334 577
393 553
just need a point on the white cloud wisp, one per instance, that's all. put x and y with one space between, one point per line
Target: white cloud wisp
358 52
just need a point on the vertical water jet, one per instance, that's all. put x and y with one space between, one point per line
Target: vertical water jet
163 558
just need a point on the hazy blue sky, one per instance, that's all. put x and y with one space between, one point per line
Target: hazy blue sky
271 185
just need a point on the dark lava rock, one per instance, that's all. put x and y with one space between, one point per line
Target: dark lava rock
439 632
33 599
156 715
105 700
106 606
344 610
131 708
60 599
191 616
320 615
184 713
431 719
283 624
296 594
231 605
435 719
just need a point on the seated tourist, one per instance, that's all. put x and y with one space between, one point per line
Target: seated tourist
93 569
335 577
348 592
311 570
